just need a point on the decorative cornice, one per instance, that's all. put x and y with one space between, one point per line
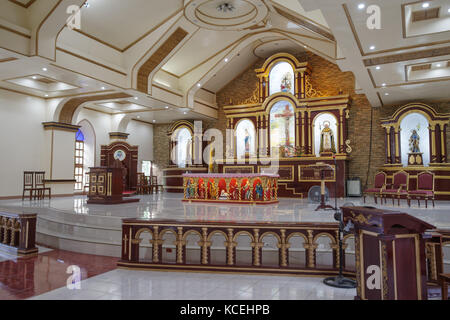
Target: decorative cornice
119 135
60 126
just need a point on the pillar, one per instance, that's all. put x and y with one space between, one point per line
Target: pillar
118 136
433 155
398 159
60 157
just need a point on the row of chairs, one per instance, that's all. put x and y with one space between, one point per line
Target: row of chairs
399 188
34 183
147 185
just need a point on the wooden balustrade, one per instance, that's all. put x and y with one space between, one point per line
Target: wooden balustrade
133 229
18 233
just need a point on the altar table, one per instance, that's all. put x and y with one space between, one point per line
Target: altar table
258 188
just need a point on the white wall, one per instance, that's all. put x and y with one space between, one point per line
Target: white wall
22 139
141 134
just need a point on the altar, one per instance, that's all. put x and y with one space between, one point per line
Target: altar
239 188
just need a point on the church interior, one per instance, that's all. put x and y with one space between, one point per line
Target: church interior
224 150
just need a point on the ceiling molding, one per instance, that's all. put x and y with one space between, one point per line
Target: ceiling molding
7 59
15 31
25 5
313 27
430 53
157 57
364 54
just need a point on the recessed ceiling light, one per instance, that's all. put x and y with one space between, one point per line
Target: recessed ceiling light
226 60
44 69
46 95
378 67
386 94
136 98
154 121
34 77
199 85
138 117
166 107
438 65
372 47
103 88
361 6
185 112
383 84
305 47
425 5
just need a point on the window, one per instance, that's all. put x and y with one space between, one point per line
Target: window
79 160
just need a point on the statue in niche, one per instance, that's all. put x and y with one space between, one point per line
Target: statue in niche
247 191
414 141
259 191
327 144
189 152
190 189
247 141
287 114
286 83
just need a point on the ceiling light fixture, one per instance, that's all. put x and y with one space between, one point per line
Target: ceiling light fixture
383 84
226 60
154 121
136 98
199 85
138 117
361 6
34 77
378 67
425 5
438 65
103 88
86 5
46 95
372 47
225 7
386 94
166 107
44 69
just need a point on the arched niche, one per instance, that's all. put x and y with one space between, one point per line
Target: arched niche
183 147
245 138
282 78
419 123
282 124
320 122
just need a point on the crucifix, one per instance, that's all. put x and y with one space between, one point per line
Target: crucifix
287 114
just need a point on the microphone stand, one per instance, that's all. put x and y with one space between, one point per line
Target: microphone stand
339 281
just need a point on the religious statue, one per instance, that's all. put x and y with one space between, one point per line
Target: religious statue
201 190
247 191
190 189
327 144
223 195
213 191
286 83
259 191
247 141
414 142
189 152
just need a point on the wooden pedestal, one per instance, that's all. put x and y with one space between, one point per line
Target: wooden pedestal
389 253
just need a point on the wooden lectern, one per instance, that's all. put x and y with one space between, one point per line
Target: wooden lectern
106 186
389 253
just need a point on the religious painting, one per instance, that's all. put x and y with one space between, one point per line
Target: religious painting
282 126
415 137
325 134
245 139
281 78
184 148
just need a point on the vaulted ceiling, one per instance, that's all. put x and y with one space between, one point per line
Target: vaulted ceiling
178 54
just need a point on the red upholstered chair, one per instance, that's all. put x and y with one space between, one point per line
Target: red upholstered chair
425 188
398 188
379 184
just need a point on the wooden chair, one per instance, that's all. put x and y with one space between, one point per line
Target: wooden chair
39 184
28 183
398 188
379 185
146 187
154 185
424 190
140 183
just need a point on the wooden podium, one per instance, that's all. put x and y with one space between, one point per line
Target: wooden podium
106 186
389 253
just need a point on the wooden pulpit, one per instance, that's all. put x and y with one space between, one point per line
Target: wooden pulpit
106 186
389 253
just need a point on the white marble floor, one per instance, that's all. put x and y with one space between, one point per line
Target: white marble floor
170 206
122 284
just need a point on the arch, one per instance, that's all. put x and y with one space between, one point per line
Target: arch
241 233
282 128
183 138
280 96
282 77
326 116
67 109
242 127
270 233
164 231
185 235
418 122
142 230
217 231
293 234
276 58
317 236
